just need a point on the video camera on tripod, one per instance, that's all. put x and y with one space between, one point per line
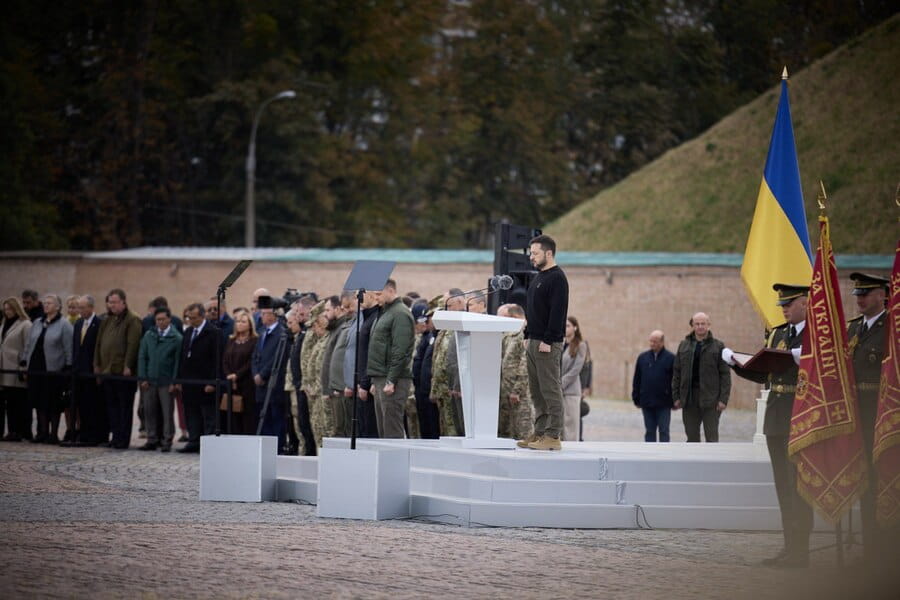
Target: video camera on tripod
290 296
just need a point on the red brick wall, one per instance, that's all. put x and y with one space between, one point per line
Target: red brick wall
617 307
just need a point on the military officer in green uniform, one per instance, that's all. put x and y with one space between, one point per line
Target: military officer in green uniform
796 514
866 335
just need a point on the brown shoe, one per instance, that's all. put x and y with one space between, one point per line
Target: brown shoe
545 442
524 443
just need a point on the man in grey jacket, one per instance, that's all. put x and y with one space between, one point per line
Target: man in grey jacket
701 381
390 349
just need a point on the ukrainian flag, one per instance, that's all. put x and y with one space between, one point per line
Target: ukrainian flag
778 248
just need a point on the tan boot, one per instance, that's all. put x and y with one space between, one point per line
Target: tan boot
546 443
524 443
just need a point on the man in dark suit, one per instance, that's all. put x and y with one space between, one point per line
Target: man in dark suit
264 368
651 387
867 339
89 405
198 361
796 513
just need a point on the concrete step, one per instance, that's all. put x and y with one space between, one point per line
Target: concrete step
302 467
503 489
295 488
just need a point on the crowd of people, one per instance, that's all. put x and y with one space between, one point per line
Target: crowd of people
293 368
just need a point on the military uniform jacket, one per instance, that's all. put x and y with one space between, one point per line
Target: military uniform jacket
513 369
782 386
867 351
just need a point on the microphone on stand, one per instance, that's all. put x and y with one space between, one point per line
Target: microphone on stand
495 284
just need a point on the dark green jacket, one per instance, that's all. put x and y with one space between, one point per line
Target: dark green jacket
390 343
715 376
159 357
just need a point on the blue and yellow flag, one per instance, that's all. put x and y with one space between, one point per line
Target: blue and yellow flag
778 248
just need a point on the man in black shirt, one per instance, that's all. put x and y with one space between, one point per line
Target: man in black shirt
548 303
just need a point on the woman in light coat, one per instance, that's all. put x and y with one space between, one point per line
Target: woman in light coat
47 356
573 354
14 328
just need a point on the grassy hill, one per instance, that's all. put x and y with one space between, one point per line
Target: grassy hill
701 195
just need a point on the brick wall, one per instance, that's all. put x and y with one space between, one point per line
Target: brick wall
617 307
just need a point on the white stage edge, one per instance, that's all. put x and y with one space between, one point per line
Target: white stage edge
590 485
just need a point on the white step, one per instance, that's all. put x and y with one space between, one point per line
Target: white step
502 489
640 469
299 467
698 493
295 488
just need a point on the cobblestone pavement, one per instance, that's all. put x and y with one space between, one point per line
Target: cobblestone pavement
102 523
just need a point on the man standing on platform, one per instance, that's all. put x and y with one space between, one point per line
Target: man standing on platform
701 381
546 311
867 339
796 514
390 350
651 388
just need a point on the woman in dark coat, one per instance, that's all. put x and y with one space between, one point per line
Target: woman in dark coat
48 356
236 365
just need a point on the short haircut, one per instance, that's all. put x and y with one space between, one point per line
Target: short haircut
334 301
515 310
348 295
390 283
307 301
163 309
195 306
548 244
116 292
32 294
407 301
414 295
455 292
159 302
89 299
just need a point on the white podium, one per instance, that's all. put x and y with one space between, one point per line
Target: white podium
478 352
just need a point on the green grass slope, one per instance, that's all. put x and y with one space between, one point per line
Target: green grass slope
700 196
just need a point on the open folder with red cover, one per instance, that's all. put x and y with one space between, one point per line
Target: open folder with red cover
767 360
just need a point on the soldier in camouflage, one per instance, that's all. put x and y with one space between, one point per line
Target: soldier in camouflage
445 373
516 418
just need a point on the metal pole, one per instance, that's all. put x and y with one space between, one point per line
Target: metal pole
250 167
360 295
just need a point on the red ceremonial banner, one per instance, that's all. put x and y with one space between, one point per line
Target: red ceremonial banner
886 446
826 442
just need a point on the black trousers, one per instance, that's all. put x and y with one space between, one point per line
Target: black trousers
120 410
429 417
693 416
303 423
796 514
91 408
200 411
365 414
14 401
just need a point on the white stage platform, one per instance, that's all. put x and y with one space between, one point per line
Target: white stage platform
591 485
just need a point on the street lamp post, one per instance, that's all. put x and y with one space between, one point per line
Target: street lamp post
250 217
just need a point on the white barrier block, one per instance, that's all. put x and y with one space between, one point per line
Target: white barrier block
238 468
363 484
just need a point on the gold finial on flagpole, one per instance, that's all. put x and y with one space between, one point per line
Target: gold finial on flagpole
784 74
822 197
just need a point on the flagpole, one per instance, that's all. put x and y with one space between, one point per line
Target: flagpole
838 530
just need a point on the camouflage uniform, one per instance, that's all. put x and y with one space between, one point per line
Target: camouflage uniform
412 415
516 419
320 413
445 378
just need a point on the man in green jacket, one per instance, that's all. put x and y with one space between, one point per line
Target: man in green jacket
116 353
158 360
390 349
701 380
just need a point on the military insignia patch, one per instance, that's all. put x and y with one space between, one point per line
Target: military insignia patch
851 346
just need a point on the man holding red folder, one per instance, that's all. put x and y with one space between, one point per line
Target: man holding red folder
796 514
